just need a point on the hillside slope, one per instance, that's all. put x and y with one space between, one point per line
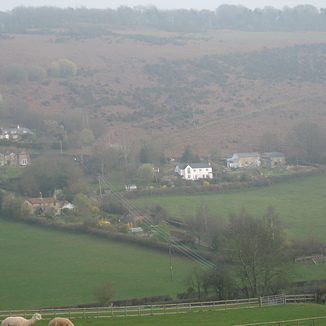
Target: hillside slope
221 89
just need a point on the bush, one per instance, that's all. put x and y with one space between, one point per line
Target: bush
15 73
321 293
36 73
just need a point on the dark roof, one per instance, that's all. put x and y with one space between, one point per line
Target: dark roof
41 200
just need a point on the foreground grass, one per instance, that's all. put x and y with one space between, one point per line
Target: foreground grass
221 318
300 204
43 267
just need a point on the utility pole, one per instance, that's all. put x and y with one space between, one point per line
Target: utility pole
171 269
99 184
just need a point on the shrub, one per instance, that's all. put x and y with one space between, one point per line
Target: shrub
36 73
15 73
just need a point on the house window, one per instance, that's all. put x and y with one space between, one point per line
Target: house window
188 170
24 161
199 169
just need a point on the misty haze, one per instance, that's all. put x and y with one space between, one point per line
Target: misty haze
154 156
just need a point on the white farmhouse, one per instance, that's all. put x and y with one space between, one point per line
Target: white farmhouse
194 171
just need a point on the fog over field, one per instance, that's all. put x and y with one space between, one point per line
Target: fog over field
160 4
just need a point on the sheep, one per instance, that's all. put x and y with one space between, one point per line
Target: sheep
20 321
58 321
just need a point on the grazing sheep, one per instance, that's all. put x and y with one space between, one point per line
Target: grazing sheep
20 321
58 321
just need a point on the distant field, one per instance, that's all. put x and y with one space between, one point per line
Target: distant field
220 318
300 203
41 268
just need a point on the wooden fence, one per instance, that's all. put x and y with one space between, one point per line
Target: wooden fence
145 310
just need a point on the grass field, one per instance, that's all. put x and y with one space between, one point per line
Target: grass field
221 318
300 204
42 267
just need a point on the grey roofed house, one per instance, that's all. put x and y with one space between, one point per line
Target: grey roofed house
272 159
243 160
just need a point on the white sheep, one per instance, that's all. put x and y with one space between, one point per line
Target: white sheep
58 321
20 321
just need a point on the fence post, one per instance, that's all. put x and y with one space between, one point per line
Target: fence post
98 313
111 310
152 309
84 313
138 311
260 301
126 311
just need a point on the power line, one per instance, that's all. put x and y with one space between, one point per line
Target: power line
134 210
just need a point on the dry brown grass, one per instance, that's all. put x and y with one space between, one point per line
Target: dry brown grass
117 63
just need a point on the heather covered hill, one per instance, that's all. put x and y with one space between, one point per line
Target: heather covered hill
225 89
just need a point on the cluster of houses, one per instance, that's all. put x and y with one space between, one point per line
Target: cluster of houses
195 171
14 133
14 158
254 159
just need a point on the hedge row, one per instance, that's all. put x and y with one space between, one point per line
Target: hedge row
223 186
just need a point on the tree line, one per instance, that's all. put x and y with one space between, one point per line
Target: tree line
237 17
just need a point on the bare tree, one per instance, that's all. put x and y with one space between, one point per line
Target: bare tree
219 281
104 293
309 143
258 250
195 281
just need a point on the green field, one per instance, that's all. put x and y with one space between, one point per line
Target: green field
300 204
221 318
42 267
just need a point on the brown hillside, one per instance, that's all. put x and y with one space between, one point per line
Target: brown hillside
230 117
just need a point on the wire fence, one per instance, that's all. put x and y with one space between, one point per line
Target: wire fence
146 310
315 321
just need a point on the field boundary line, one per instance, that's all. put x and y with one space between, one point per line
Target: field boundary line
153 309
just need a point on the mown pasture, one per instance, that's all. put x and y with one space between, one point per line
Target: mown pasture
45 268
221 318
300 203
42 268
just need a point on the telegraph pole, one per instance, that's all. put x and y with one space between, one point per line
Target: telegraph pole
171 269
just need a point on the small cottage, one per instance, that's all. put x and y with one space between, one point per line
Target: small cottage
243 160
40 205
272 159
